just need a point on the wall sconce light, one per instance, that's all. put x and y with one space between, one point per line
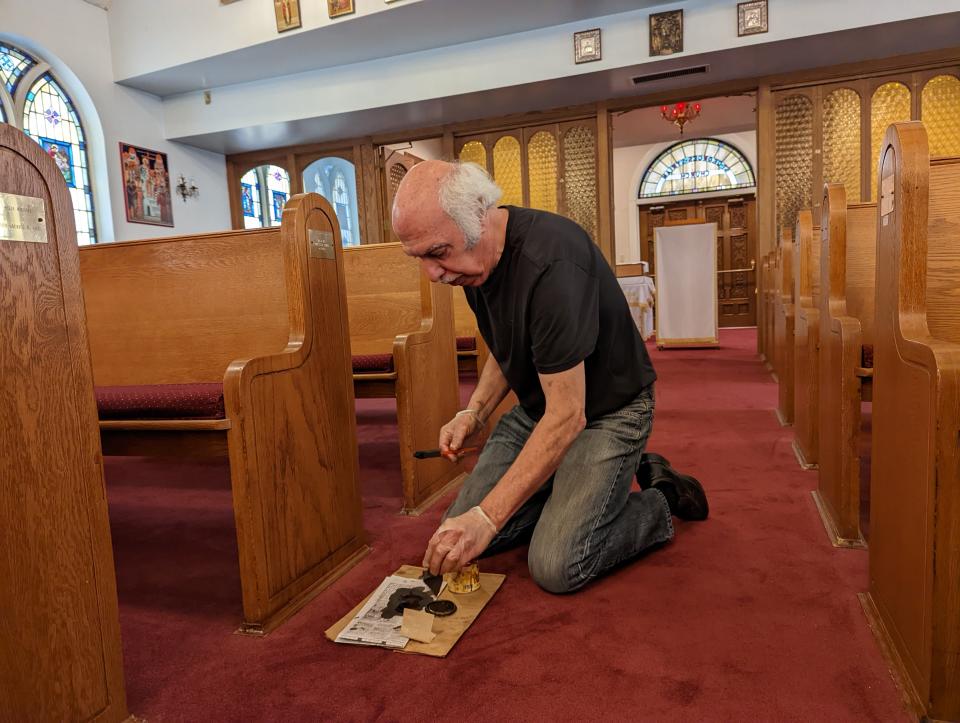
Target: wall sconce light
187 189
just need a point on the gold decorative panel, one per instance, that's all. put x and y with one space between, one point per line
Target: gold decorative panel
580 177
841 141
397 172
474 152
940 112
542 167
506 170
890 104
794 150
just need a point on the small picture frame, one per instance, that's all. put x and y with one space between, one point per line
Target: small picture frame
666 33
586 46
336 8
288 14
752 17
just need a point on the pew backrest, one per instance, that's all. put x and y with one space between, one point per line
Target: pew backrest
806 281
387 295
181 309
943 250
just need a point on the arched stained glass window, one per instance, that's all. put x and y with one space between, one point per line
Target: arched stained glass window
264 191
697 166
335 179
49 118
13 64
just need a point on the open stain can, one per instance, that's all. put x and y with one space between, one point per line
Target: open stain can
465 581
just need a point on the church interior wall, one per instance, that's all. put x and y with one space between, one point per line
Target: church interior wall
74 38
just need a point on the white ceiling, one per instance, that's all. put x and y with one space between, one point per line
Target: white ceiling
399 29
872 42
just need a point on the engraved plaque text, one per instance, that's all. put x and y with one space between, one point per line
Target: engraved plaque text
22 218
321 244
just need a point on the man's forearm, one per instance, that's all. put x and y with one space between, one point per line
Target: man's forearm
539 458
491 388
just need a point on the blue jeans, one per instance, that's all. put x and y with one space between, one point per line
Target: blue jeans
584 520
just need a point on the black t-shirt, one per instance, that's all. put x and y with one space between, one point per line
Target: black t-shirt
551 302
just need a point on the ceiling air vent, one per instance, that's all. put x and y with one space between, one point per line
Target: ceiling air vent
650 77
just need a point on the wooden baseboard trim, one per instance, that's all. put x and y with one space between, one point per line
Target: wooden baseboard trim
908 694
427 503
802 458
830 525
781 418
294 606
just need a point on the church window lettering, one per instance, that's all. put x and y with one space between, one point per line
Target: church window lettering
696 166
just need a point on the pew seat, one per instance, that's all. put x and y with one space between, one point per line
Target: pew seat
366 363
234 345
466 343
202 400
866 360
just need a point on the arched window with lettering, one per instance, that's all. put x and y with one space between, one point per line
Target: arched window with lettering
703 165
50 118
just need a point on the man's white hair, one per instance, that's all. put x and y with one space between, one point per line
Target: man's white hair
466 194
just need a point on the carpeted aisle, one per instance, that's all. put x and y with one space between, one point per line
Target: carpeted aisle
750 615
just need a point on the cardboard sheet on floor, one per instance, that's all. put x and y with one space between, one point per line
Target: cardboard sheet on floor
449 629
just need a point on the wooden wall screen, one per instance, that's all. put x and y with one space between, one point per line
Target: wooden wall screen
736 249
553 167
831 132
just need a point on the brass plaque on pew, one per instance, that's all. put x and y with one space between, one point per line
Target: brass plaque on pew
22 218
321 244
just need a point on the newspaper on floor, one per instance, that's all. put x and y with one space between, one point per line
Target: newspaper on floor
369 627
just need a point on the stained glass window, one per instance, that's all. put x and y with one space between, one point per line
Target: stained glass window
13 64
278 191
50 118
335 179
697 166
250 201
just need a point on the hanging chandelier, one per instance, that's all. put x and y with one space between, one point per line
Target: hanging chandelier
680 113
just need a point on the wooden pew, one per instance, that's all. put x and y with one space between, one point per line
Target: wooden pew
847 271
472 352
60 653
770 316
806 339
263 312
403 339
783 330
762 308
914 594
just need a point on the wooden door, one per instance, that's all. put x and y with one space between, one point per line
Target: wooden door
395 167
736 244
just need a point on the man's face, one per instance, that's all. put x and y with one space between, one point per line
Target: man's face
441 249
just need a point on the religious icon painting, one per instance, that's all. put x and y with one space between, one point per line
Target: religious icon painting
62 154
666 33
146 186
288 14
246 199
336 8
586 46
752 17
279 200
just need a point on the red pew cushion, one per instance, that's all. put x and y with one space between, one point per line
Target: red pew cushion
372 363
203 400
466 343
867 360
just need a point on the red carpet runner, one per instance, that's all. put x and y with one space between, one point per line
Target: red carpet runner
750 615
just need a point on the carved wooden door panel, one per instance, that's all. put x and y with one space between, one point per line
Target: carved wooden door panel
395 167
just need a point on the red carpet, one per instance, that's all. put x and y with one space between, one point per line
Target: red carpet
750 615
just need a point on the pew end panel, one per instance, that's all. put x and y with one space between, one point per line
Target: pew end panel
784 330
60 648
914 590
293 439
395 309
838 484
806 339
